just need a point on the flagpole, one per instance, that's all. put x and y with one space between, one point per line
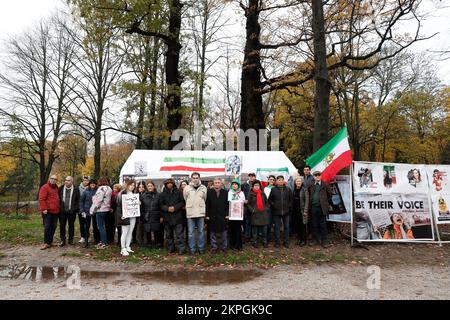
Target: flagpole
351 205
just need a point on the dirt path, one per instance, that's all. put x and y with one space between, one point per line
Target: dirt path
408 278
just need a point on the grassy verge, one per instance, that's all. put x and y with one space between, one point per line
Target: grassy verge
2 255
28 230
21 229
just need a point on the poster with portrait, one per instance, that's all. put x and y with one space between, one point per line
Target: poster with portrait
374 177
341 199
393 217
131 207
236 210
233 165
140 168
438 181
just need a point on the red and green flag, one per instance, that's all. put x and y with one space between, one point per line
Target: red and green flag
332 157
216 165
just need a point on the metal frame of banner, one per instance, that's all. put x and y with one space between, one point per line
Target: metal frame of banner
435 224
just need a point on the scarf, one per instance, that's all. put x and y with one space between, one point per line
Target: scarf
259 200
70 196
196 185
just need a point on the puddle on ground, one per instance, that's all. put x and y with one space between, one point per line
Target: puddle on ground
195 277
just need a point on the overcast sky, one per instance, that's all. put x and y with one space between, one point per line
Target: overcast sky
18 15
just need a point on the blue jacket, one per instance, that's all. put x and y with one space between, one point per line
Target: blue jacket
86 200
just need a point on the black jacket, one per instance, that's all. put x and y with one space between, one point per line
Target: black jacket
119 221
280 201
169 198
150 211
259 218
216 210
75 205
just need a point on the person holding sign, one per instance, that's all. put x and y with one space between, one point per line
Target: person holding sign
172 202
236 198
258 207
123 218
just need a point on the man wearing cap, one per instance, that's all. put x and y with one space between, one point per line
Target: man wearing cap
319 200
246 187
280 200
172 202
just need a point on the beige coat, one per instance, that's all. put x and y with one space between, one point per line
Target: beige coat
195 201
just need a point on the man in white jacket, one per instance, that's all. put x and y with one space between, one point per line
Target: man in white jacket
195 196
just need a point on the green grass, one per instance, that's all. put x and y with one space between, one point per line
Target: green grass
13 198
72 254
21 229
2 255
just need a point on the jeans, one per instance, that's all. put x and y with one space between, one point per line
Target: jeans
259 233
64 217
179 237
127 234
278 220
50 222
101 216
215 236
199 223
318 224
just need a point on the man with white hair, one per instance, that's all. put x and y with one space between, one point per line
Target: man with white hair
69 197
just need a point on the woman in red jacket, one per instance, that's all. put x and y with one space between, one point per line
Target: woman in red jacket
49 207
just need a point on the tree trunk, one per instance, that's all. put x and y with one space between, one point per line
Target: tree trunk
173 79
252 115
322 83
153 83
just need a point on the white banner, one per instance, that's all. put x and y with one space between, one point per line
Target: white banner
380 178
393 217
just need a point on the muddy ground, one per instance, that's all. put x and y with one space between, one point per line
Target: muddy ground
407 271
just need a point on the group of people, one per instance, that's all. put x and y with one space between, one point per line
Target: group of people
179 215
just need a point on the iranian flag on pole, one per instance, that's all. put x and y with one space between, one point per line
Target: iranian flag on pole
332 157
216 165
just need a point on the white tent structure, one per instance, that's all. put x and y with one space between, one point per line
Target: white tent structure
162 164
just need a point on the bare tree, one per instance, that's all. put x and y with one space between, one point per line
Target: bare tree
38 92
99 68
